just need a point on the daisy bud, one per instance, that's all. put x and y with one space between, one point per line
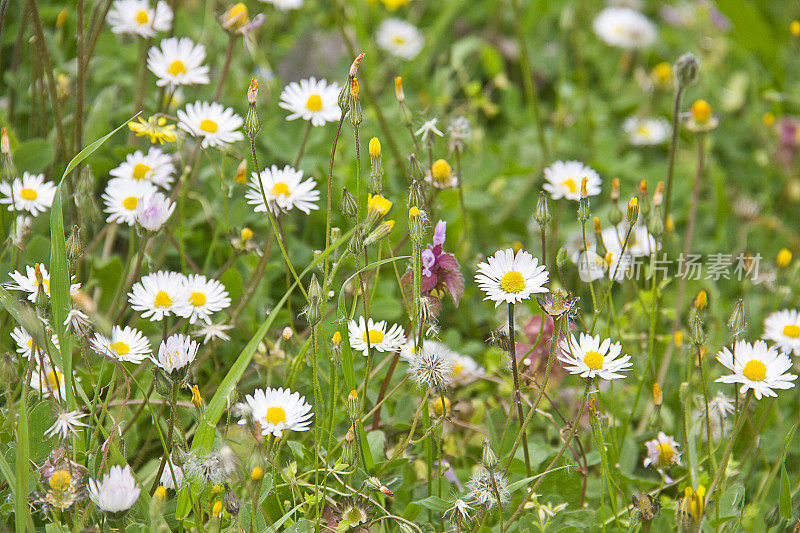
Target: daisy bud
561 257
153 212
701 300
349 205
489 458
415 196
783 258
241 172
658 396
246 234
352 405
356 115
615 189
235 18
736 322
633 211
542 214
161 492
656 224
417 169
379 233
252 124
314 310
698 335
687 68
374 147
231 501
74 245
5 144
658 196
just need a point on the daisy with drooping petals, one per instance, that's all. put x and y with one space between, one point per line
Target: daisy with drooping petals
154 211
399 38
278 410
376 334
213 124
646 131
160 294
284 189
758 367
123 196
624 28
662 452
31 194
155 167
590 358
25 341
117 492
27 282
313 100
510 278
285 5
138 18
206 297
66 423
124 344
783 328
175 353
178 62
564 179
211 332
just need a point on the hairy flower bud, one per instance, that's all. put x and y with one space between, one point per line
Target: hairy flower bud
542 214
698 335
736 322
561 257
349 205
415 196
687 68
489 458
633 211
356 115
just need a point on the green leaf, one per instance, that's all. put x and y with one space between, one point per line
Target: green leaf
266 488
34 155
785 502
434 503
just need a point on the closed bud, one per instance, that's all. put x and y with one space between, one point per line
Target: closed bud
597 228
684 392
542 214
352 405
658 196
701 300
374 147
232 504
355 64
633 211
356 244
489 458
656 223
41 293
698 335
658 396
252 124
398 89
415 196
736 322
74 245
687 69
349 205
417 168
381 231
584 213
344 98
701 111
5 144
252 92
561 257
316 300
615 214
615 189
235 18
241 172
356 115
336 348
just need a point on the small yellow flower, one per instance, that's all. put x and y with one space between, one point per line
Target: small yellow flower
378 205
161 492
658 396
393 5
678 338
61 19
701 112
768 118
196 398
374 147
235 18
701 300
662 72
336 339
398 89
413 212
794 28
217 509
440 171
783 258
246 234
257 473
155 128
60 480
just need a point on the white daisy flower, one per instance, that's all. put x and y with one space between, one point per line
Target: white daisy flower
49 380
640 242
66 423
360 332
590 358
124 344
160 294
591 266
278 410
178 62
123 196
285 5
138 18
27 282
624 28
206 297
646 131
212 123
175 353
25 342
758 367
284 189
23 225
210 332
155 167
31 194
662 452
166 476
506 277
783 328
564 179
313 100
399 38
154 211
117 492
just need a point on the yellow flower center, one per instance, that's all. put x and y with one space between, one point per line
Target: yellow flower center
570 184
665 452
130 202
30 344
314 103
246 234
280 188
197 299
28 194
53 379
140 171
208 126
755 370
792 331
512 281
644 130
593 360
399 40
120 347
141 17
177 67
440 170
276 415
373 336
458 368
162 299
60 480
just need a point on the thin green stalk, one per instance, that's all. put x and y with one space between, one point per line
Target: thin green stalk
673 147
512 353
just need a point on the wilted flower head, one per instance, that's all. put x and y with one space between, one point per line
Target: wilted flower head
481 489
662 452
176 353
429 367
460 133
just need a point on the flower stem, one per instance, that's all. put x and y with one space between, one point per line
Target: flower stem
512 352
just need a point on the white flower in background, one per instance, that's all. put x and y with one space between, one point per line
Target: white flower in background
23 225
361 332
590 357
154 211
31 193
25 341
459 512
206 297
124 344
646 131
428 130
138 18
27 282
624 28
312 100
399 38
175 353
155 167
284 189
77 322
210 332
285 5
122 197
783 328
278 410
662 452
212 123
591 266
117 492
564 179
178 62
166 476
160 294
482 488
49 380
506 277
430 367
758 367
640 242
66 423
719 407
